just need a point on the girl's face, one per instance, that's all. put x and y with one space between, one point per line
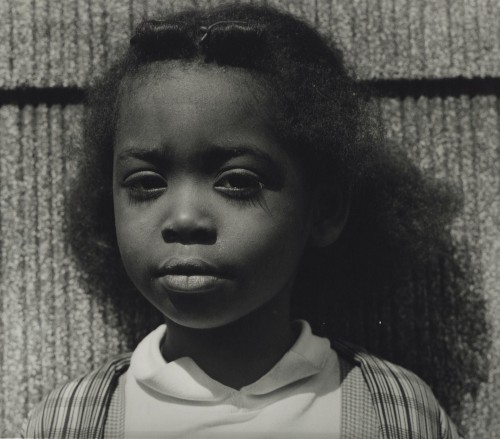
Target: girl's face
211 213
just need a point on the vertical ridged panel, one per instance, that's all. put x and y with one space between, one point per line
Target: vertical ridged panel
486 117
400 29
29 202
22 42
459 58
5 45
69 43
63 289
489 11
13 288
46 33
435 43
48 329
46 229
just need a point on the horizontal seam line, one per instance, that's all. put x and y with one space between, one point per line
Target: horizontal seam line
441 87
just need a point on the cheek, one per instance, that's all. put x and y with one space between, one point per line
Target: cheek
132 232
132 221
273 242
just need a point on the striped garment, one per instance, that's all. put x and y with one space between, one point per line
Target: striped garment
392 403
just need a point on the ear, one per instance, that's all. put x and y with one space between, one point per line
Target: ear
330 211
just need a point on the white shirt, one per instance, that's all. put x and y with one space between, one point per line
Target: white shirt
300 395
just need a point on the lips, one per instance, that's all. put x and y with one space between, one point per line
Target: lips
188 275
194 283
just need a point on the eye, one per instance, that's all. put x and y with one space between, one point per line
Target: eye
239 183
145 184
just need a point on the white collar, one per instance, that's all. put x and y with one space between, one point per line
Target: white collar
184 379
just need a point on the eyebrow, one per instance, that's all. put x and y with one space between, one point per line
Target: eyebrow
217 155
214 155
144 154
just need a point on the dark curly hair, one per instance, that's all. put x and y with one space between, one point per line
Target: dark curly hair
398 229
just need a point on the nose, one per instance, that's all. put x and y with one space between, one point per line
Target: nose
188 219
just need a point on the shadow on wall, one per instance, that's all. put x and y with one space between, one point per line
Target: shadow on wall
400 284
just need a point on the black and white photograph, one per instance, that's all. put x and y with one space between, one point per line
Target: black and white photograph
250 219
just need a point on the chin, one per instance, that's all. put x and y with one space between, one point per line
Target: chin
200 322
197 312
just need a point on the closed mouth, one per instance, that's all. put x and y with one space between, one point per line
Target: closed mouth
194 283
184 275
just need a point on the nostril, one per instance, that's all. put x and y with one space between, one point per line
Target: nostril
189 236
170 235
203 236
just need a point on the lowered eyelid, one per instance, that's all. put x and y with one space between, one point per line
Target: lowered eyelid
248 178
135 176
270 174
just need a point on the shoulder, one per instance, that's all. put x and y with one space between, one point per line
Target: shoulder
79 407
405 404
377 370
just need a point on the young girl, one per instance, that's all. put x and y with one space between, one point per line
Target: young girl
232 168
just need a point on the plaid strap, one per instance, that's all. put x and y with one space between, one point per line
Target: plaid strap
405 405
359 419
77 409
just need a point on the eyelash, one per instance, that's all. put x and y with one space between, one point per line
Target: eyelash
134 182
249 189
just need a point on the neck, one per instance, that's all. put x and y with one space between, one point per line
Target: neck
239 353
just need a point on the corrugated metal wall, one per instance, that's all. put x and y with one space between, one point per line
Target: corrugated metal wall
53 326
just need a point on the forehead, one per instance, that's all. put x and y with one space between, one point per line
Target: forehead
206 94
195 74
